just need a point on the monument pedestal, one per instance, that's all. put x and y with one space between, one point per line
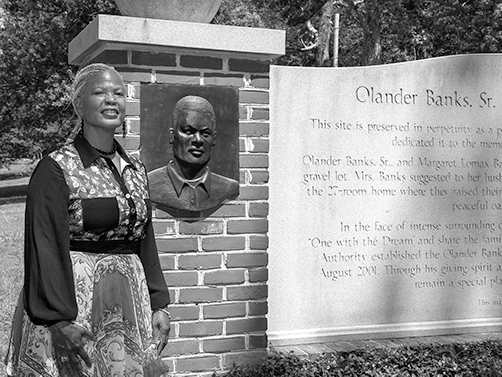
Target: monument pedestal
216 267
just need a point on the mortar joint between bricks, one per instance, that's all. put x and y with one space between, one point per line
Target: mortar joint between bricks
247 210
203 71
247 175
176 329
201 312
254 121
247 80
258 106
248 112
253 89
225 227
131 91
250 106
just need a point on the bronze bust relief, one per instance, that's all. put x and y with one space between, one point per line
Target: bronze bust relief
187 186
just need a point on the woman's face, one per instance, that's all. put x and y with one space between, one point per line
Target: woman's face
103 101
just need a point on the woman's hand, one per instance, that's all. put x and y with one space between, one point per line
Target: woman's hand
161 323
68 342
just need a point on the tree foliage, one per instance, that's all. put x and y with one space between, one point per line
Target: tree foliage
386 31
250 13
35 111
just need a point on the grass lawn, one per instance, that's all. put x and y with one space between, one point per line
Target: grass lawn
18 169
11 255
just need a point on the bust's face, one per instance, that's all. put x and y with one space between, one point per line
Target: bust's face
193 138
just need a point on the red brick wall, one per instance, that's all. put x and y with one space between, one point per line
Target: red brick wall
216 268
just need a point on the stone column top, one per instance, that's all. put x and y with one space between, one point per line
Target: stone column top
119 32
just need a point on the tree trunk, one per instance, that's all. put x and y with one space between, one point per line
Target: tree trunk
322 56
369 18
372 47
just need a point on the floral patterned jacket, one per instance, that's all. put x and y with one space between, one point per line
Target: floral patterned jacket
78 200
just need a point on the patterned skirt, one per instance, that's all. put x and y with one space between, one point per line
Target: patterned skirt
114 304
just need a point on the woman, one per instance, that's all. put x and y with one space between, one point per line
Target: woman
94 298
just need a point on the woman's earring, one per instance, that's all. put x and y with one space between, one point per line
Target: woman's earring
124 129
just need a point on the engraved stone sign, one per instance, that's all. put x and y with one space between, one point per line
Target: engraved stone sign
386 199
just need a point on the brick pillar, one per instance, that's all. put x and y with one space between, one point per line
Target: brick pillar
216 268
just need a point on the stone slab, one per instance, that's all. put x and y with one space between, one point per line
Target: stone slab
341 347
147 34
386 200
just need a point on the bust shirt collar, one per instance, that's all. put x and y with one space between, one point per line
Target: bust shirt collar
179 181
88 154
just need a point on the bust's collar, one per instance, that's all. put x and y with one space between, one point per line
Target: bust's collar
179 181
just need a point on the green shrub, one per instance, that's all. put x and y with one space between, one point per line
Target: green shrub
477 359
